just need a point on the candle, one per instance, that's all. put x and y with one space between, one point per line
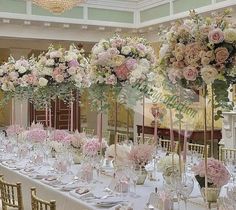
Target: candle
171 132
72 116
185 143
155 127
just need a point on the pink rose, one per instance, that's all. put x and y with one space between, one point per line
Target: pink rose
122 72
192 53
59 78
190 73
111 80
216 36
56 72
221 54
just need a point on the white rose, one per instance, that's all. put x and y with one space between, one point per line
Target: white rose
43 82
132 80
55 54
22 70
78 78
145 63
49 62
1 72
126 50
97 49
13 75
47 71
209 74
71 56
137 73
72 70
4 87
230 35
164 49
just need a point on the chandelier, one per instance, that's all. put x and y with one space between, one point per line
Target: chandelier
57 6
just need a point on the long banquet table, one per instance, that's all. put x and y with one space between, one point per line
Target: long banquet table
67 200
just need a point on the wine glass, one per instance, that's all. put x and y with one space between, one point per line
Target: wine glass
186 186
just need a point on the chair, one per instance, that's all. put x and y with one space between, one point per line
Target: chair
199 148
11 195
88 131
121 137
167 144
39 204
148 140
106 136
227 154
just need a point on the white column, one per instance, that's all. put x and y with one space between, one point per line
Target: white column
138 117
23 104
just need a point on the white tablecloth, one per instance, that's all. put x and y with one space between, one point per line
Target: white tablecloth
66 201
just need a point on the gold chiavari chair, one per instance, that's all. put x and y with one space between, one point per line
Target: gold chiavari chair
11 195
121 137
227 154
147 140
199 148
39 204
167 144
88 131
106 136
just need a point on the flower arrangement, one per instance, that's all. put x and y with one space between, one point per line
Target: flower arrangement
77 139
169 165
17 78
122 154
60 71
36 135
118 62
91 147
36 126
59 136
14 130
141 154
217 174
198 51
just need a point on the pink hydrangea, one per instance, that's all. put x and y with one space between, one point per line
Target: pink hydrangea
59 136
13 130
141 154
131 64
37 135
91 147
217 174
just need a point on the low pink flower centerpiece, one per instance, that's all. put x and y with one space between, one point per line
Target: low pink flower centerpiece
60 136
217 174
14 130
141 154
91 148
37 135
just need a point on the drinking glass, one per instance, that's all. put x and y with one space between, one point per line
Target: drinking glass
186 188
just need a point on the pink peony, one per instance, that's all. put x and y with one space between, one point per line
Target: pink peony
37 135
190 73
122 72
217 174
216 36
59 136
13 130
